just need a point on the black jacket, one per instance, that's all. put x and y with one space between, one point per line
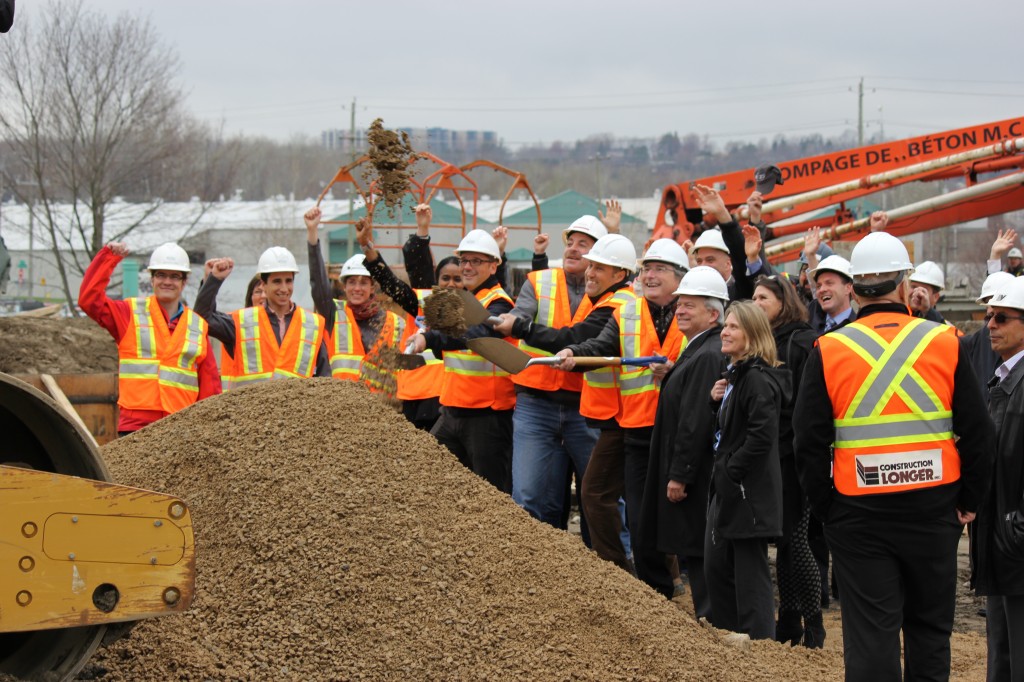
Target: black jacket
682 448
746 483
996 571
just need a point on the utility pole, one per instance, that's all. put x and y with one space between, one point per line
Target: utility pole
860 113
351 199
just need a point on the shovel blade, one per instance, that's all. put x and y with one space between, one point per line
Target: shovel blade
502 353
472 310
410 361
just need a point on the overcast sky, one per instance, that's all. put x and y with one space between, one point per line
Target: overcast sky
563 70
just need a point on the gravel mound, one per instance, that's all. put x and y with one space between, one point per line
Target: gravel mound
33 345
335 541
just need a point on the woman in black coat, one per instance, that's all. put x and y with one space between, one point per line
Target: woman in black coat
796 570
745 509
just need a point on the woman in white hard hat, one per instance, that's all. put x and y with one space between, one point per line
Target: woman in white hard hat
797 573
174 367
745 508
276 340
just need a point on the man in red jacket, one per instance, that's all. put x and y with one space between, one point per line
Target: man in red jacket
163 348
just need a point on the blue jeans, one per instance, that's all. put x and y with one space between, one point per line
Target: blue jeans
545 436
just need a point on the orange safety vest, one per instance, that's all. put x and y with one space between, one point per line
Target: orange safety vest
349 358
553 311
258 357
158 368
890 379
470 380
600 396
423 382
637 338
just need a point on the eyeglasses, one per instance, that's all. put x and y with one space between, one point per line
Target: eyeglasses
659 269
475 262
1001 318
173 276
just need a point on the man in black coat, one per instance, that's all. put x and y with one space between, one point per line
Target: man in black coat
675 497
997 535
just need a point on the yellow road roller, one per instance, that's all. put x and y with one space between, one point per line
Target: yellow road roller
80 557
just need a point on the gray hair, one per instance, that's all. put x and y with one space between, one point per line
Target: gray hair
715 305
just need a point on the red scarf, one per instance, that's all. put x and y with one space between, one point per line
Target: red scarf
366 310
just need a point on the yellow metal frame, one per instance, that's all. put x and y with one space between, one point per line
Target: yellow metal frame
76 552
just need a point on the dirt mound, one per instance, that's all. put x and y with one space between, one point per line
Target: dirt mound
335 541
32 345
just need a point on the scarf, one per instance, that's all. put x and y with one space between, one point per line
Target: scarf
366 310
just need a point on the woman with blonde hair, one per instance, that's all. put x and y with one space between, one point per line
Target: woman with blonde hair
745 508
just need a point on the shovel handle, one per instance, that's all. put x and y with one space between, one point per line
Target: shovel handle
614 362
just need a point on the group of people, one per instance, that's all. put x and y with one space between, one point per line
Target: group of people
706 405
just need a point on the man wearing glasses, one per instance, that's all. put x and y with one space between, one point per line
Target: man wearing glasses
893 451
162 345
997 536
477 397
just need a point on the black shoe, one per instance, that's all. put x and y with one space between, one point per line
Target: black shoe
788 628
814 632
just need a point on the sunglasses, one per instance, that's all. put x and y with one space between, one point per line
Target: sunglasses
1001 318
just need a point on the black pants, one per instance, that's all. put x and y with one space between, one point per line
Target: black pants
602 487
1004 627
482 442
894 572
651 566
739 582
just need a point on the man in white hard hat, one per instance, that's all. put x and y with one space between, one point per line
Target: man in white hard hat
675 503
893 451
477 396
163 347
640 328
358 328
549 435
927 282
833 294
277 340
1015 262
997 536
978 344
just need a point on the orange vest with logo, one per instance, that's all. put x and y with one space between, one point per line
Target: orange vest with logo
258 357
637 338
159 369
552 311
470 380
890 379
349 359
423 382
600 396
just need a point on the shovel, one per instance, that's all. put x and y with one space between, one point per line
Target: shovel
500 352
600 361
410 360
474 312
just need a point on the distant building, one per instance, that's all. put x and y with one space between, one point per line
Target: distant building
439 141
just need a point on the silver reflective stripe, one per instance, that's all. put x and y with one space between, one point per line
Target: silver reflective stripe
307 351
629 329
143 325
138 367
467 363
634 381
941 426
863 340
342 342
193 340
250 341
546 289
922 400
170 375
345 362
894 366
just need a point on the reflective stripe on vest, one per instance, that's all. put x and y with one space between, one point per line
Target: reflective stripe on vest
470 381
259 356
638 337
890 380
600 398
346 345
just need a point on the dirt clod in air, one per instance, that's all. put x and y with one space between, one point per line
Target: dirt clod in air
444 312
390 157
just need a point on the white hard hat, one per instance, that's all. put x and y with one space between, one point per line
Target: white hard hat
833 263
710 239
929 273
879 252
276 259
703 281
993 283
169 256
667 251
1014 253
614 250
1010 295
588 225
479 241
356 265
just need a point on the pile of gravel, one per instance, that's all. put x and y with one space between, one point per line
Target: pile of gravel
335 541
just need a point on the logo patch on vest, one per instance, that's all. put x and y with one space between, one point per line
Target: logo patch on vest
898 468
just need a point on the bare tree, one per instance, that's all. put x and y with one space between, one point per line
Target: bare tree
89 107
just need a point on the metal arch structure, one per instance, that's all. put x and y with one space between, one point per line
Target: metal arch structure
519 181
